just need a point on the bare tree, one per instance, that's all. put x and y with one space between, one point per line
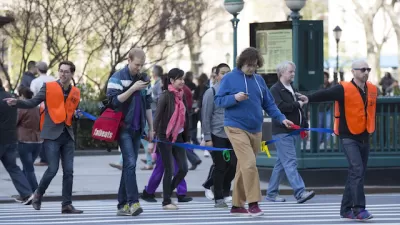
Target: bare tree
191 16
374 47
394 15
93 47
66 24
24 34
126 24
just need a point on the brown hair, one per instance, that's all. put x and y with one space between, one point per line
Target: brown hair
249 55
202 80
136 53
68 63
26 92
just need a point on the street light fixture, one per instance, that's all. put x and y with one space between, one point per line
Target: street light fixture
337 32
234 7
295 6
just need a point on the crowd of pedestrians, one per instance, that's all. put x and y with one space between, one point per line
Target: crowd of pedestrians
230 107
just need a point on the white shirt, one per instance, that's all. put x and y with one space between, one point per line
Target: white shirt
289 87
38 82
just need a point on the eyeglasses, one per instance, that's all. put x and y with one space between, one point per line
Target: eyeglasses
64 71
363 69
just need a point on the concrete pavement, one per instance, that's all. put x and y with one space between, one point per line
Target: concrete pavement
95 179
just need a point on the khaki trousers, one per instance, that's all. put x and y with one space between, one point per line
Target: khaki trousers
247 182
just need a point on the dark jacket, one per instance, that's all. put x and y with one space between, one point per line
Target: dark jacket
324 107
336 93
28 125
289 106
8 120
118 83
27 79
198 95
165 109
189 96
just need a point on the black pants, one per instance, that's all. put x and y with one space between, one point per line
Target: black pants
224 172
194 119
357 157
210 178
168 153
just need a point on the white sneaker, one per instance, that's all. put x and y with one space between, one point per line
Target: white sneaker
206 154
209 194
228 199
170 207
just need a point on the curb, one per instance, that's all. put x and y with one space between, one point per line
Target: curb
317 190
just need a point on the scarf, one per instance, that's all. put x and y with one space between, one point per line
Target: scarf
177 121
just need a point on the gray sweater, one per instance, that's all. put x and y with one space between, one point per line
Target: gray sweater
212 116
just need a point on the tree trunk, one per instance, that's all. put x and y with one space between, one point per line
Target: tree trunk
373 56
194 44
377 61
396 25
368 22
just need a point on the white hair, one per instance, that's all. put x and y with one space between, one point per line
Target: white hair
283 67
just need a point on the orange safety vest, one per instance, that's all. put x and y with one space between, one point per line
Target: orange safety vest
61 111
359 117
41 110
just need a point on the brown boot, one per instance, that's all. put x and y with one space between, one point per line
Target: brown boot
70 209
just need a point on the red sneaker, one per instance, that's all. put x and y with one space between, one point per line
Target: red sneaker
239 211
254 210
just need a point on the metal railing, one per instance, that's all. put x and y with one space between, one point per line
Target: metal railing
325 151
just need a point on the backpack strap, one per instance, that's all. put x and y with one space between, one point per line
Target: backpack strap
213 89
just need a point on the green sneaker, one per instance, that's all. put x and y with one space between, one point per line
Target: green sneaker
135 209
220 203
124 211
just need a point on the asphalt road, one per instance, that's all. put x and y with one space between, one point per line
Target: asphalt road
321 210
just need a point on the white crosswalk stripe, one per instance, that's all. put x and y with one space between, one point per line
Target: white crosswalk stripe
193 213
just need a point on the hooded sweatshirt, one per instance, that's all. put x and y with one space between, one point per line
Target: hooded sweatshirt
246 115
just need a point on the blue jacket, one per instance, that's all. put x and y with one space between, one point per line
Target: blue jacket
119 83
246 115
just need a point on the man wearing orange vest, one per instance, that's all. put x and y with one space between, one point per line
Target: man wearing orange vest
61 100
355 107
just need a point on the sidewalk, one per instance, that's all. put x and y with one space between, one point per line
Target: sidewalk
95 179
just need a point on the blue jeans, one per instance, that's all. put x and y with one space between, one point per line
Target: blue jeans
8 156
324 121
129 142
192 157
42 155
149 159
286 163
28 152
357 156
62 148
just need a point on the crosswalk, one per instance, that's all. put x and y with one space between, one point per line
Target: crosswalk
197 212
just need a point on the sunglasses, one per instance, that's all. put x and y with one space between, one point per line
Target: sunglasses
363 69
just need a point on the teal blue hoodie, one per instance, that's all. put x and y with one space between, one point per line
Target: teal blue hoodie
246 115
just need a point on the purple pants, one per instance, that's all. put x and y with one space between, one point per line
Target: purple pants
156 176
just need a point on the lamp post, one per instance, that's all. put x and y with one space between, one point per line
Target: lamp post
295 6
337 32
234 7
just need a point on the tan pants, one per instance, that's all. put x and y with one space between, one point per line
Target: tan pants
247 182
